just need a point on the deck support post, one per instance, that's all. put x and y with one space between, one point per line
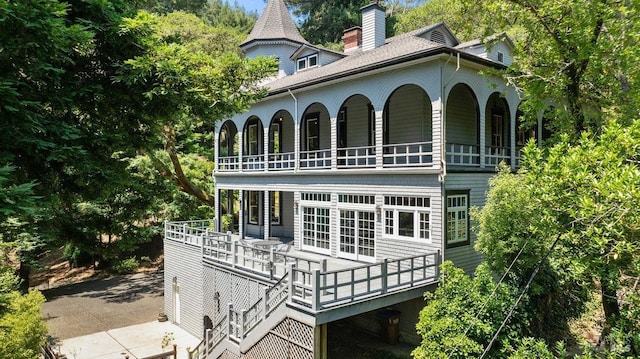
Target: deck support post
265 299
320 342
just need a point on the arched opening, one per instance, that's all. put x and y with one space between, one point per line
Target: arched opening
282 141
253 148
356 133
315 138
462 127
497 131
228 147
407 128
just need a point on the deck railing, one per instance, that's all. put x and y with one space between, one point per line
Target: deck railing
350 157
318 290
228 164
243 321
494 155
464 155
212 338
408 154
253 163
190 232
282 161
312 160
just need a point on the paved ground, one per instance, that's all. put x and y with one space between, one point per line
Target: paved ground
112 317
137 341
103 304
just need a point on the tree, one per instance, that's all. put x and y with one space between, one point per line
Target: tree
463 18
585 196
579 59
463 313
221 14
22 330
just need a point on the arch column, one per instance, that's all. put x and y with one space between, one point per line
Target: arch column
266 218
379 139
482 138
333 129
241 213
265 146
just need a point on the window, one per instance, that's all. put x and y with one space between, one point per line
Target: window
407 217
342 128
276 207
457 218
313 132
500 57
316 228
254 207
253 140
275 139
307 62
497 131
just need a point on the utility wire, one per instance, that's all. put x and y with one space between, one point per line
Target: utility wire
486 302
524 290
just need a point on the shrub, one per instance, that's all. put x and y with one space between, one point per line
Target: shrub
125 266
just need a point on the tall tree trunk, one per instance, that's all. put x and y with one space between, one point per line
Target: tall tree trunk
23 274
610 305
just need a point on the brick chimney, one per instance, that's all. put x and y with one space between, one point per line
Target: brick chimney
352 39
373 26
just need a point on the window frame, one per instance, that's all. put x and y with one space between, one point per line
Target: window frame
253 207
393 222
304 62
272 197
312 117
457 242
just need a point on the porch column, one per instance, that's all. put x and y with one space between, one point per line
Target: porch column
217 209
379 140
265 146
320 342
483 136
512 126
241 213
333 123
266 221
240 149
436 131
296 144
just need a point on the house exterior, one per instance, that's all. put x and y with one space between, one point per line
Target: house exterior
338 195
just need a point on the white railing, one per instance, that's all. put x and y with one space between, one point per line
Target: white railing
190 232
350 157
253 163
315 159
212 338
247 319
463 155
408 154
228 164
494 155
282 161
318 290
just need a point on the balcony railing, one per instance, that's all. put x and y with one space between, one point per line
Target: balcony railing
228 164
350 157
315 159
253 163
408 154
463 155
282 161
494 155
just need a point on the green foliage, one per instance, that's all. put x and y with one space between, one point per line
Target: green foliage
580 59
22 330
463 18
220 13
462 315
126 266
530 348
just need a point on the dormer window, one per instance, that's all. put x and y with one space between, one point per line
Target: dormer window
307 62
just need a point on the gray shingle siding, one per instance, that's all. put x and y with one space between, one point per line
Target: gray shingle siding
184 262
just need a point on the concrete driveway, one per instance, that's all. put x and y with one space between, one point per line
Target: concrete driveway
103 304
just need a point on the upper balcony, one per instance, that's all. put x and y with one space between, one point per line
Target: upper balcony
406 133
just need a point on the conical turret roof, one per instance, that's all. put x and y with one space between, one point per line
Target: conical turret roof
275 23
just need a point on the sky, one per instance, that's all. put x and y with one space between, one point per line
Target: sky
252 5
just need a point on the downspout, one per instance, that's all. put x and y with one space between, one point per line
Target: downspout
443 149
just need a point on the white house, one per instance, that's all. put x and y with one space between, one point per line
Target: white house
338 194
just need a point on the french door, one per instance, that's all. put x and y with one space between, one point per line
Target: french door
357 235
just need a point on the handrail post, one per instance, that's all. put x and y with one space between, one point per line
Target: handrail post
265 298
184 233
243 314
229 320
323 268
234 253
384 270
315 293
207 335
175 351
291 278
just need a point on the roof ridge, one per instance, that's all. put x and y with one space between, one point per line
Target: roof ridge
275 22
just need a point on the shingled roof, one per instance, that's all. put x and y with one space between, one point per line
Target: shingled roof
275 23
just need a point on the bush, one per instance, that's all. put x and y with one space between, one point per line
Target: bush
126 266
